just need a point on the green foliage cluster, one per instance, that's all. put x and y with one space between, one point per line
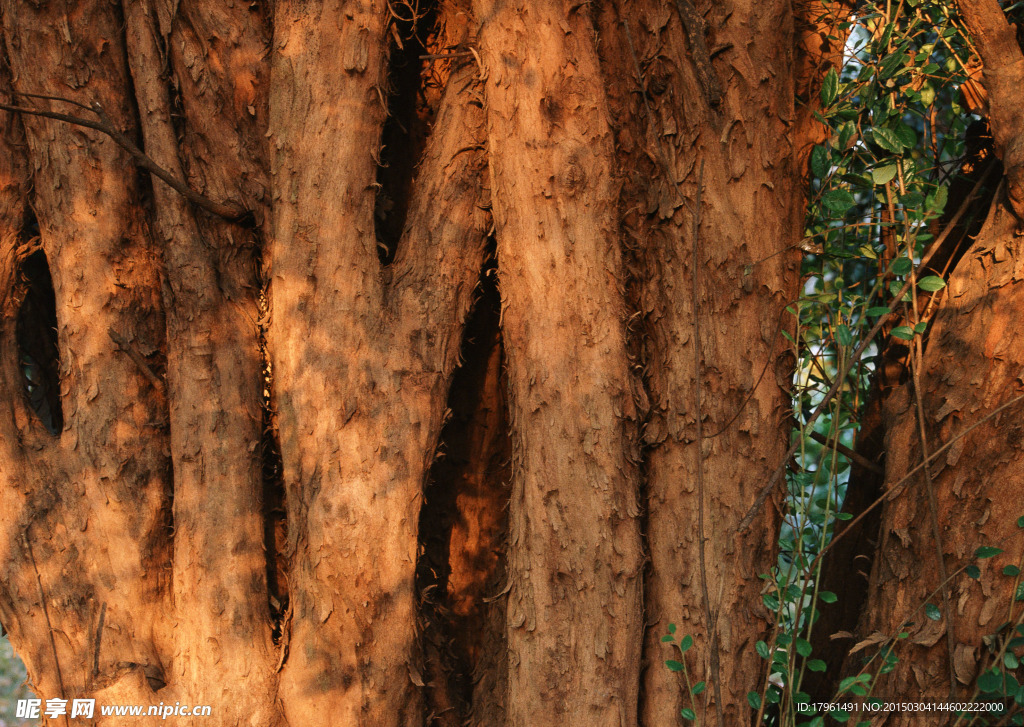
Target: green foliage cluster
878 187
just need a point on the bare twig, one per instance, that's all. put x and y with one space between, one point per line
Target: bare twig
97 640
894 490
762 496
230 211
136 357
917 361
851 454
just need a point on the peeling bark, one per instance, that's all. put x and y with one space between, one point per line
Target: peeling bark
359 402
574 615
145 516
970 367
749 225
85 510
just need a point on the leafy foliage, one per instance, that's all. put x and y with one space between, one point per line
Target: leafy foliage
879 185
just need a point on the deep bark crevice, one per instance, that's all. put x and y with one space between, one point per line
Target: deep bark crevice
407 127
36 333
275 521
470 471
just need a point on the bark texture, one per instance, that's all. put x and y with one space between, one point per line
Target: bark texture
938 513
135 544
574 615
971 367
737 158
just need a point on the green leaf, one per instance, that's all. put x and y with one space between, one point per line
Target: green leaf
667 638
902 265
1010 660
973 571
840 715
827 597
905 333
843 335
671 628
927 94
843 516
762 649
829 88
881 175
754 700
931 283
932 611
990 681
816 665
1020 522
1011 570
820 162
803 647
673 665
698 688
906 136
936 201
986 551
921 327
894 288
912 200
887 139
878 310
1019 595
686 643
838 200
688 713
846 135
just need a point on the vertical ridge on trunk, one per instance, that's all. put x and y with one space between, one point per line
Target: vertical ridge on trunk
91 501
213 372
360 403
750 143
574 613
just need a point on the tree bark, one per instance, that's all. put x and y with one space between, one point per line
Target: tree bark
135 541
574 614
705 188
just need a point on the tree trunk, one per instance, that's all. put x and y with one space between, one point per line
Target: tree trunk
631 174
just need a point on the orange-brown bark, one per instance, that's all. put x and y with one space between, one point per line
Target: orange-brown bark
971 366
361 355
84 509
574 615
742 152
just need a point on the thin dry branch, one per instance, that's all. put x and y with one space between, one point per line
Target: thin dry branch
709 615
136 357
230 211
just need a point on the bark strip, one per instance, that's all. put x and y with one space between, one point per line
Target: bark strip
91 501
213 370
574 550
